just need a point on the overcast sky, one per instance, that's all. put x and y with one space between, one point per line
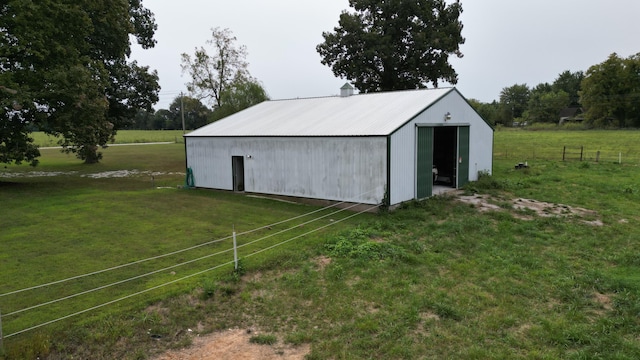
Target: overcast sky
507 42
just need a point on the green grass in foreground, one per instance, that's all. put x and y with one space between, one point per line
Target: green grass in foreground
434 279
70 224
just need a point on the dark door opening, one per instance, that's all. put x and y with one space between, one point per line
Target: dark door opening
445 151
237 168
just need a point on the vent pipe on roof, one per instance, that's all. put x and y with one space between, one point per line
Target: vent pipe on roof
346 90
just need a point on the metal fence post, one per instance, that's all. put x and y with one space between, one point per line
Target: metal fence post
235 251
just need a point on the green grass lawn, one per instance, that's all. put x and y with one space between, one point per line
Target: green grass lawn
433 279
522 145
122 137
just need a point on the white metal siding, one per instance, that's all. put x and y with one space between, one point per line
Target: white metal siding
403 165
349 169
403 151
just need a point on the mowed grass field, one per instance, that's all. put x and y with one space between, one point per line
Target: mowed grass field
123 137
433 279
525 145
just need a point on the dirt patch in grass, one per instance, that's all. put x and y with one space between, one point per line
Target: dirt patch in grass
32 174
526 208
99 175
604 301
429 316
235 344
322 262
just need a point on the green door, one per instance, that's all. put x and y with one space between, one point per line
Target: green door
425 162
463 156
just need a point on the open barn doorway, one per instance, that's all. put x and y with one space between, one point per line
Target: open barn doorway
445 156
442 159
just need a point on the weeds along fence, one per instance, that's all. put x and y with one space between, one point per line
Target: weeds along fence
27 309
566 153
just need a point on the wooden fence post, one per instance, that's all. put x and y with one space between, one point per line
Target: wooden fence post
564 151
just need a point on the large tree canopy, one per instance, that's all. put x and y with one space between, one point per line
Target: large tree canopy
514 100
611 92
194 112
569 83
239 96
69 75
545 104
395 44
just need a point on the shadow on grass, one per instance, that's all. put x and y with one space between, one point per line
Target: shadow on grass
11 184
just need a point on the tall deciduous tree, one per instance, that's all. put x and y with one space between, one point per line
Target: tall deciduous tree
489 111
570 83
195 113
69 75
545 103
394 44
513 101
611 92
212 74
222 78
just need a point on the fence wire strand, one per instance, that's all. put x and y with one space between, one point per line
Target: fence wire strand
172 266
174 252
188 276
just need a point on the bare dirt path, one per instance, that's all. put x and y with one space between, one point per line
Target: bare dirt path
234 344
529 207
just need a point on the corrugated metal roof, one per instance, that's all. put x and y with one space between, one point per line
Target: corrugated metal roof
357 115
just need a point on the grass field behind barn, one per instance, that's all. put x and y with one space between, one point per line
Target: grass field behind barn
434 279
525 145
122 137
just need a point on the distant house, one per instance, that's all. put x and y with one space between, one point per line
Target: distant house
572 113
353 148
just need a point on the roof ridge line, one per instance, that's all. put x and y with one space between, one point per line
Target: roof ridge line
366 93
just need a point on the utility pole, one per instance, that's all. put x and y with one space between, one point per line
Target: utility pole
182 110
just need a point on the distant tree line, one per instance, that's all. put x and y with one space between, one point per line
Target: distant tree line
606 96
196 114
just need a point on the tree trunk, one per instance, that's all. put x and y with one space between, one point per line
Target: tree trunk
90 154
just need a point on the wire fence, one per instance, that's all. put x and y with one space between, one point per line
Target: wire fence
566 153
222 257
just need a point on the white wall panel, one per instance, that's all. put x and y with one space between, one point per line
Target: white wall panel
349 169
403 165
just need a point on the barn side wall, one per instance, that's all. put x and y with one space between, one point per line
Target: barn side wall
351 169
403 144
